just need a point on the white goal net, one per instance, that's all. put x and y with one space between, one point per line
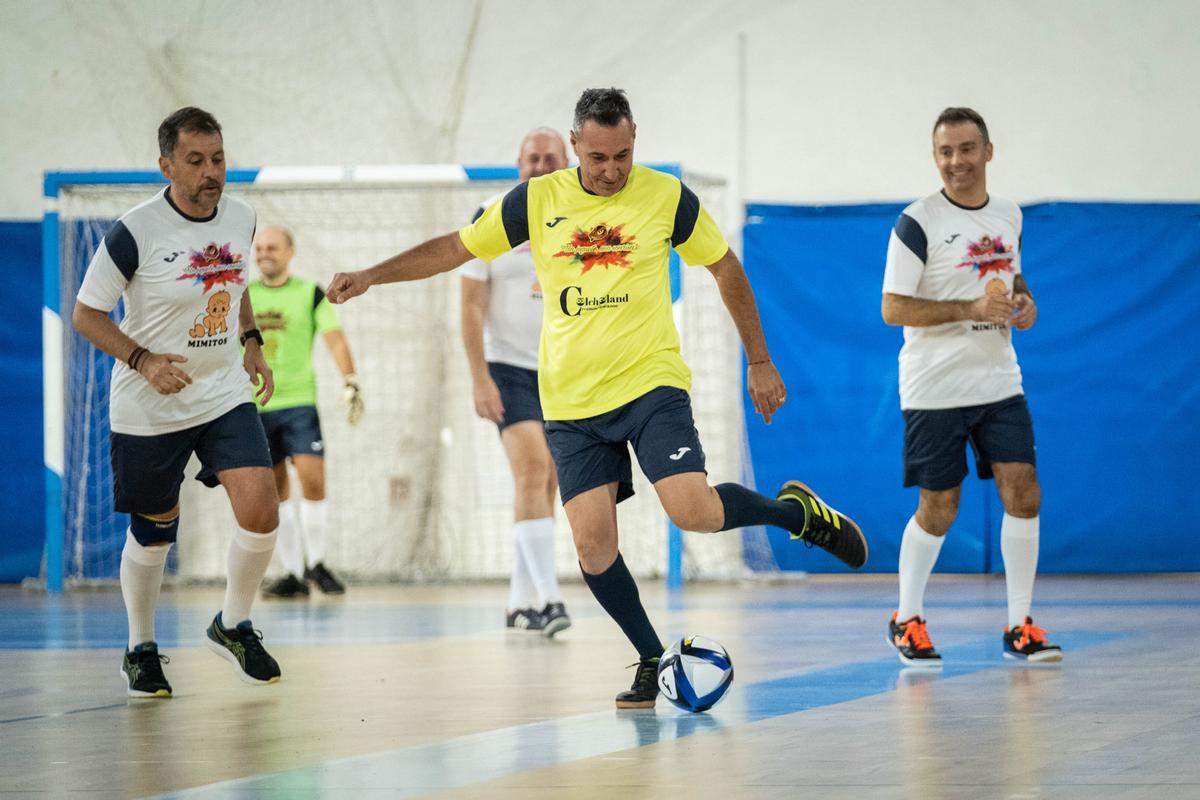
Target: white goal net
420 489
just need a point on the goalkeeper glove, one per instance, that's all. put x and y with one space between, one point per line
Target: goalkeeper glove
352 397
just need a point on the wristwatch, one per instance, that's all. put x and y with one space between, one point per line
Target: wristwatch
253 333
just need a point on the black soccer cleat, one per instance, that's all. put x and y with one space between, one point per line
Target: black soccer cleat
242 647
524 620
554 619
142 668
286 587
1028 643
825 527
912 643
644 691
325 580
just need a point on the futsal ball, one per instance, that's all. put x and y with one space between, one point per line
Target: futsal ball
695 673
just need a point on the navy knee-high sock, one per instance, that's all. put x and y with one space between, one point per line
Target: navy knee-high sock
618 594
745 507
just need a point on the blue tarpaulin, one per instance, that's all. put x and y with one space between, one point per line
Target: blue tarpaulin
1111 372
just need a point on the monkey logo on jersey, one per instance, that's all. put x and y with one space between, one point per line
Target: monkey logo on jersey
212 265
601 246
989 254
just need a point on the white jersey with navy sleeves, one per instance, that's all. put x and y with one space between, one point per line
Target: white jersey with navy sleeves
182 280
513 325
940 250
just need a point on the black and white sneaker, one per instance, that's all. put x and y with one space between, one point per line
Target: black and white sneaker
286 587
142 668
1027 642
242 647
524 620
554 619
644 691
324 578
825 527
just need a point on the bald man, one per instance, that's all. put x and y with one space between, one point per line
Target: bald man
501 326
291 311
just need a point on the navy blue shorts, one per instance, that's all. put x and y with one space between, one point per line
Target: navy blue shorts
935 439
148 470
293 432
518 392
595 451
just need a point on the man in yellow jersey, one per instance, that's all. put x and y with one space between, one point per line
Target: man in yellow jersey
610 371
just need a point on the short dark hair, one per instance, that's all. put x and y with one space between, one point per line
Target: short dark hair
188 118
605 107
959 114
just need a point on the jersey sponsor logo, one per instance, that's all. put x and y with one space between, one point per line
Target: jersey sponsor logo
952 238
988 255
270 321
211 321
174 255
535 290
214 264
554 222
318 446
680 453
601 246
574 302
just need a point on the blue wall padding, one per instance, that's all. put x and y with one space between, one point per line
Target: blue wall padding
1112 374
22 488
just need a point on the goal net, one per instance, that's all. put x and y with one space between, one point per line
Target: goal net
420 488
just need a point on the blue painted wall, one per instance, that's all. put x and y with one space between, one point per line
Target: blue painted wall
22 494
1112 374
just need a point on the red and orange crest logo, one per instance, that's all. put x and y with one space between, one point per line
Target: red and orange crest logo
599 247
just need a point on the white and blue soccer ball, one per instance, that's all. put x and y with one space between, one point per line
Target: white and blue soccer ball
695 673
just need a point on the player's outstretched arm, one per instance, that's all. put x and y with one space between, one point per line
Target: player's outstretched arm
766 388
157 368
917 312
423 261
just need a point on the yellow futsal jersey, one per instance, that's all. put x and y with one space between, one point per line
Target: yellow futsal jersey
608 335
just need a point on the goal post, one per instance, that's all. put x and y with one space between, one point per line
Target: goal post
420 490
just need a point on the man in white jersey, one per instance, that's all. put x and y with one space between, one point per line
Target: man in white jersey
501 326
180 260
953 280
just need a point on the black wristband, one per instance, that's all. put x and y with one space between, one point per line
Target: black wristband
254 334
136 357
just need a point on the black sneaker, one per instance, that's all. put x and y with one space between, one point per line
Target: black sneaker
142 667
524 620
911 640
1028 643
287 586
242 647
644 691
554 618
825 527
325 580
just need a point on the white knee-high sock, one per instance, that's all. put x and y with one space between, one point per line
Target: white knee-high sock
288 544
313 516
249 557
918 553
1019 547
521 593
535 537
141 579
